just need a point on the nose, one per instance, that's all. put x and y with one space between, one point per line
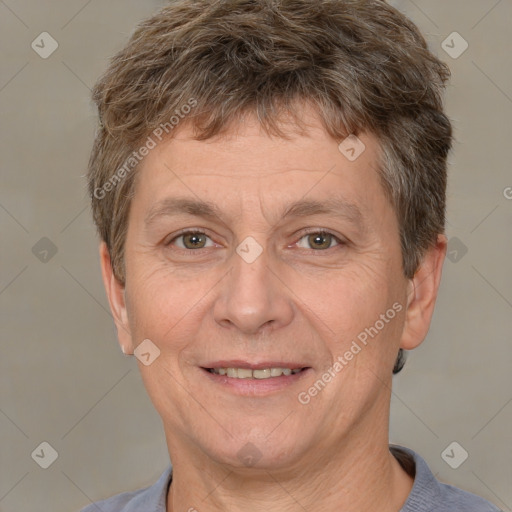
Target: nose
253 298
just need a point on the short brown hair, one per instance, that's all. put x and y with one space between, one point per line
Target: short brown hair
361 64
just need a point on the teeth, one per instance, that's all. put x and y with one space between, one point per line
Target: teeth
261 374
244 373
247 373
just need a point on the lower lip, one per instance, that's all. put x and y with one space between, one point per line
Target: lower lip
256 387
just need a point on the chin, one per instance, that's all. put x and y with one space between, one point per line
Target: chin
258 451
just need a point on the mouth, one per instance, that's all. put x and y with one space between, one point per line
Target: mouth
255 379
249 373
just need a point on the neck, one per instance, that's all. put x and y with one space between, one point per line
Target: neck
356 476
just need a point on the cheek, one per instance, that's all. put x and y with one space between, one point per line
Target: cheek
166 307
346 307
348 297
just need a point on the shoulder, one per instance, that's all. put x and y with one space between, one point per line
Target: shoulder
150 499
457 499
430 495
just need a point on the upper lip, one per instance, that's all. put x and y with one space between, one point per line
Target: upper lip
260 365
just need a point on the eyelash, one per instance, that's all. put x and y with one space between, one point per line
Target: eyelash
311 231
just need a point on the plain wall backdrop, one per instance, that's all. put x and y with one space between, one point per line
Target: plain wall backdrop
63 378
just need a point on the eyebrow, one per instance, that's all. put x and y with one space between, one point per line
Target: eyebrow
337 207
178 205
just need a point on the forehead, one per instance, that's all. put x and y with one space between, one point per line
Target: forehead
304 173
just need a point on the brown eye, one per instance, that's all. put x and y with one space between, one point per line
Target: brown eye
318 241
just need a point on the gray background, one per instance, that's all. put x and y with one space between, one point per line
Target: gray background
64 379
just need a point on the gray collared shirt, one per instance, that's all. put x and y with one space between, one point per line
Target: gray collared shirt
427 495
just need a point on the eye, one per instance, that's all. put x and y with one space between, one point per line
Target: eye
192 240
320 240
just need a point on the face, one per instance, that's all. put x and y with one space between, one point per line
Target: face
268 274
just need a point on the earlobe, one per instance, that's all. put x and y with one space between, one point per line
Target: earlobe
116 297
421 295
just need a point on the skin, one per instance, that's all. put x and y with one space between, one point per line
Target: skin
296 302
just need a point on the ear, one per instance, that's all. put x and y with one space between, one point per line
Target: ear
422 294
116 298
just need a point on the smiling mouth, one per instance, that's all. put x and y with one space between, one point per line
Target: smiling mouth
248 373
